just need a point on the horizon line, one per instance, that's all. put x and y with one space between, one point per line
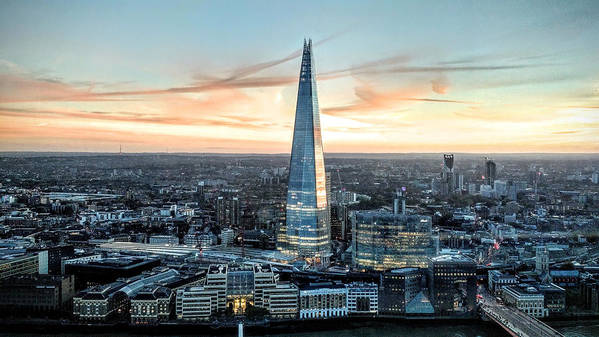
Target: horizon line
289 153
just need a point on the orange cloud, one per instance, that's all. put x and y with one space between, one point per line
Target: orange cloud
22 88
370 100
440 85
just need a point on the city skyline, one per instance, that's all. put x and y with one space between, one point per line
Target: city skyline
437 77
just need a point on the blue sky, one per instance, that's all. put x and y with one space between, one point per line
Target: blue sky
523 74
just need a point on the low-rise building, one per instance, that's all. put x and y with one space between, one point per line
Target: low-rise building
281 301
589 293
555 298
527 299
498 280
362 299
109 269
36 294
565 278
197 303
152 304
17 262
323 300
236 288
102 302
164 240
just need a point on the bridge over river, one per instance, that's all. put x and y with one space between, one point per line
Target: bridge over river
514 321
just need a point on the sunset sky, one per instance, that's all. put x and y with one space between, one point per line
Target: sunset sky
221 76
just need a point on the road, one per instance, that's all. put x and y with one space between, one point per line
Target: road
514 321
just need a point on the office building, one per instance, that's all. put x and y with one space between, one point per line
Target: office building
362 298
19 262
307 229
197 303
234 288
555 298
498 280
589 293
55 257
228 211
216 279
35 294
322 300
527 299
501 188
152 304
383 240
490 172
101 302
227 236
164 240
340 224
105 270
448 183
282 300
264 278
397 289
452 285
565 278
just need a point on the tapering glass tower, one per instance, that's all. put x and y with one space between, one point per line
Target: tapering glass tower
307 232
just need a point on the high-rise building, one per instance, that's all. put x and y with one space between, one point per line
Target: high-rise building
228 212
490 172
383 240
307 229
447 179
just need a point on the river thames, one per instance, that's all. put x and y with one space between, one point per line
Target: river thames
384 329
471 330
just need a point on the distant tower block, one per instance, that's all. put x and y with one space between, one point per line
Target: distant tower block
490 172
448 180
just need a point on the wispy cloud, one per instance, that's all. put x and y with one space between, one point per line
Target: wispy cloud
371 100
566 132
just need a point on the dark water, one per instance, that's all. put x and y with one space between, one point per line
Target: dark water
580 331
384 329
441 331
389 329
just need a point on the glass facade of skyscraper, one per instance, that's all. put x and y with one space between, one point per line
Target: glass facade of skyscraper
307 231
383 240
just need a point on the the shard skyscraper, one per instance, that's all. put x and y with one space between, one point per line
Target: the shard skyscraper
307 231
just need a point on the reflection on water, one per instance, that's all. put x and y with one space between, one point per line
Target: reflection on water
384 329
389 329
581 331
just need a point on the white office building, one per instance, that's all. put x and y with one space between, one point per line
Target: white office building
323 300
362 298
528 300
